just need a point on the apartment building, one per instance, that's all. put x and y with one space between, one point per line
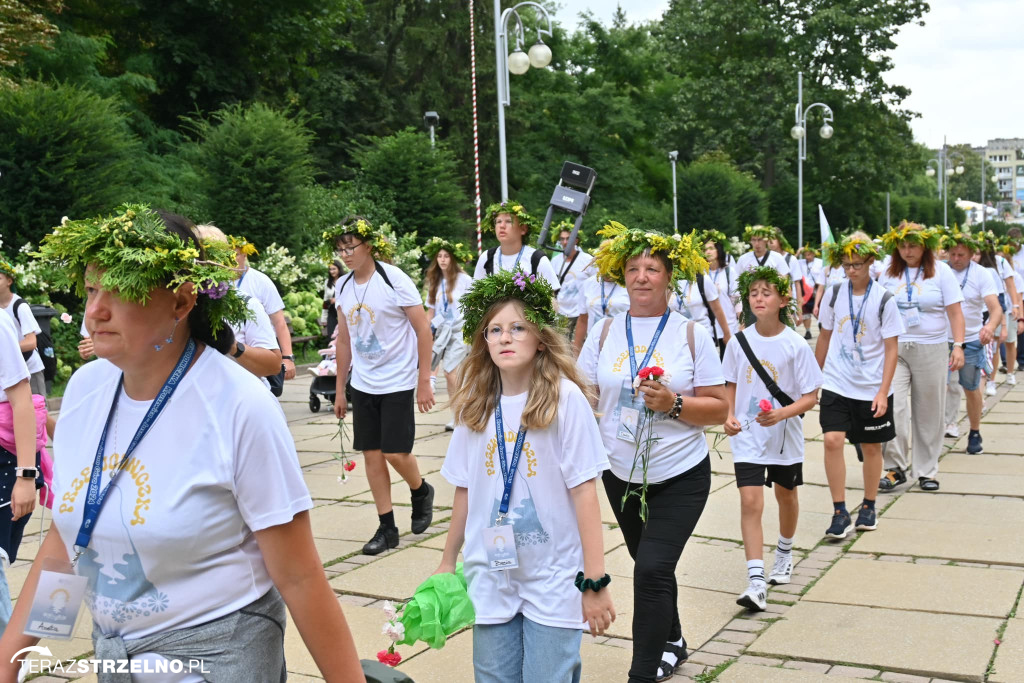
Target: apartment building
1005 156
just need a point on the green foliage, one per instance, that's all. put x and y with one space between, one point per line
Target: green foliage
64 152
715 196
254 164
24 25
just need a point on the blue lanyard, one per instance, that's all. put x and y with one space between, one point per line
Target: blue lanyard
682 299
514 265
967 271
508 471
860 313
238 284
910 289
94 497
605 300
444 295
650 350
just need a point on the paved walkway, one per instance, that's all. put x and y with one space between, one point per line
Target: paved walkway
933 594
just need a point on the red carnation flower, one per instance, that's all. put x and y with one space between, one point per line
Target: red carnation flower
390 658
350 465
656 371
765 405
644 373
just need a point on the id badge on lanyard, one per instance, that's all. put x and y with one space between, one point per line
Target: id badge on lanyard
910 309
499 540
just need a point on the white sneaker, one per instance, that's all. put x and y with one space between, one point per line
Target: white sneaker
782 570
990 388
755 597
1011 379
450 426
952 431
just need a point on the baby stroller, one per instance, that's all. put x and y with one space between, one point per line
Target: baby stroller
325 377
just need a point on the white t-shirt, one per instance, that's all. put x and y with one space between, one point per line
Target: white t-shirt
593 291
555 460
878 267
976 283
504 262
257 333
681 446
928 300
815 272
774 259
727 283
848 371
12 363
384 352
568 294
1018 261
450 311
790 362
26 323
689 303
256 284
831 276
173 545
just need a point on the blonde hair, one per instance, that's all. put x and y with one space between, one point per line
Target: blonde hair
434 275
209 231
479 378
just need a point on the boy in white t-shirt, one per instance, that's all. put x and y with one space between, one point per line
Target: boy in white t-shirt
384 334
767 439
512 226
571 270
26 326
857 349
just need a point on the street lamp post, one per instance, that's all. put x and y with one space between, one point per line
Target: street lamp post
799 133
944 169
518 62
673 156
430 120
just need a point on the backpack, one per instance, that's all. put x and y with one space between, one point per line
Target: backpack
44 345
535 258
378 267
881 306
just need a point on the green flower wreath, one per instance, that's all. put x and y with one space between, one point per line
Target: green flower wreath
381 247
535 293
912 233
808 248
684 252
954 236
781 283
511 207
716 236
849 246
136 255
762 231
6 268
460 251
242 244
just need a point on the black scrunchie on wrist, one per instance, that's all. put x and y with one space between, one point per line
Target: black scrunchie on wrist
590 584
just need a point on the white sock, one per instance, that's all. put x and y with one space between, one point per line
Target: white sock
755 571
668 657
785 545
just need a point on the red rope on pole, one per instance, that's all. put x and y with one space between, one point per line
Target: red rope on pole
476 134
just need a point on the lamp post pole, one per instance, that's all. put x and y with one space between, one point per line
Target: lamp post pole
673 156
945 169
799 133
539 57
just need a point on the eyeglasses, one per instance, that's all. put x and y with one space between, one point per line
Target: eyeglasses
494 333
348 251
854 266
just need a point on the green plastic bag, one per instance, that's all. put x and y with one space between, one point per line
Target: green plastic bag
439 607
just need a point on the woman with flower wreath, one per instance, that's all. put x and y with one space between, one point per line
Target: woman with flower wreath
181 501
384 335
658 486
512 225
534 554
446 283
928 297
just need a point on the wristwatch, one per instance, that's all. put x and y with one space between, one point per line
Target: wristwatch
960 345
26 472
289 357
239 350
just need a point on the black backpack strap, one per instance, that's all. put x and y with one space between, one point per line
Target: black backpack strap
881 307
835 295
345 282
565 271
489 263
383 273
18 304
535 258
773 388
704 298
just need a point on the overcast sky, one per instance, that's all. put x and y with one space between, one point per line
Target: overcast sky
965 66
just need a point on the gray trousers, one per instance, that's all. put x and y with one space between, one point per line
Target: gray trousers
919 388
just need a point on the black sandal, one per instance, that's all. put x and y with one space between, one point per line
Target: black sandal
666 670
927 484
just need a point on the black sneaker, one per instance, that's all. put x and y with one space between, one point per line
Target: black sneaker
974 443
807 334
423 510
866 519
892 479
384 539
840 526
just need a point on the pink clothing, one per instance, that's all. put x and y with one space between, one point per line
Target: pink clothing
7 442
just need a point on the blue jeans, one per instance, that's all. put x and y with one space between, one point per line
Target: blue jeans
970 374
523 651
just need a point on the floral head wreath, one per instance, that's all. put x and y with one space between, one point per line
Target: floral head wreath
773 277
380 245
912 233
534 292
242 244
1007 245
136 255
954 236
6 268
459 251
716 236
766 232
849 246
808 248
511 207
683 251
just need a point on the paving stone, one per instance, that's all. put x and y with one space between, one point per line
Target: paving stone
741 672
690 670
744 625
1011 485
453 662
330 549
954 540
903 678
911 642
852 672
815 667
760 661
1009 665
740 637
814 464
729 649
444 492
998 438
894 558
344 523
708 658
395 577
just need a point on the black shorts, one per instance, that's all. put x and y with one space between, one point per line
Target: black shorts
754 474
383 422
855 418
